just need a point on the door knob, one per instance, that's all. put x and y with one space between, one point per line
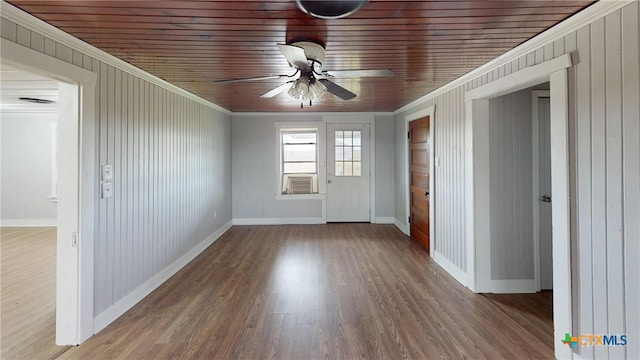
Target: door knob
426 193
545 198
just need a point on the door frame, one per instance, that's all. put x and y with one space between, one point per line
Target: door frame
477 183
74 275
430 111
535 96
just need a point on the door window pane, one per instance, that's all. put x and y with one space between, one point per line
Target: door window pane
348 152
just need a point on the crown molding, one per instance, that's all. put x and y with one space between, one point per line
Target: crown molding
32 23
584 17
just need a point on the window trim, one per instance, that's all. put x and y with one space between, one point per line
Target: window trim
320 127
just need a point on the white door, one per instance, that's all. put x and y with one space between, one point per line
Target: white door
544 196
348 172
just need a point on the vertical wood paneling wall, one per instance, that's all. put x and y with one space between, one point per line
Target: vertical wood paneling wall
604 117
511 186
171 160
384 167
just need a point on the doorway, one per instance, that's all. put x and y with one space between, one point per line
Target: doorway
29 117
419 191
75 206
477 178
348 172
542 195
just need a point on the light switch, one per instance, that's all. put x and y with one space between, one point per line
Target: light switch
107 190
107 172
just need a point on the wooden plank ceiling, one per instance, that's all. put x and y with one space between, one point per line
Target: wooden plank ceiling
192 43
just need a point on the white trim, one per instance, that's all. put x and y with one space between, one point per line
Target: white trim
278 221
535 141
301 196
54 161
75 264
476 118
29 222
30 22
121 306
451 268
469 210
385 220
509 287
402 227
430 111
527 77
560 208
575 22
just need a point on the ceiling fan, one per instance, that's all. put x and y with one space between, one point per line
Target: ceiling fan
306 58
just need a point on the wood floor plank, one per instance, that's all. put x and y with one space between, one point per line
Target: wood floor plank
28 300
323 291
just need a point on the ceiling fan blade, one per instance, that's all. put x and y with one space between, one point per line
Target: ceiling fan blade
358 73
251 79
337 90
295 56
282 88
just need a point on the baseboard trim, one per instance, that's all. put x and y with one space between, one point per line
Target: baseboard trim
451 268
278 221
404 228
29 222
385 220
121 306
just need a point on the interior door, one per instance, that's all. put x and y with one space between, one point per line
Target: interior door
348 172
544 174
419 139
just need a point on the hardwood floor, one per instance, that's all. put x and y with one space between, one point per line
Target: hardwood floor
322 291
28 300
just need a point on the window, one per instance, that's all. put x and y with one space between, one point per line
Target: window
348 153
299 160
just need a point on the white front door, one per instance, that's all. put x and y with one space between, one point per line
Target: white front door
348 172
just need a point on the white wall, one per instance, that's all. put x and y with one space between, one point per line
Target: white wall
255 166
604 127
27 163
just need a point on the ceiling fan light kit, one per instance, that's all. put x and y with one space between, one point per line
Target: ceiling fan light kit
307 58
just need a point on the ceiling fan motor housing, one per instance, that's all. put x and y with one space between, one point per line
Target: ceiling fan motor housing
312 51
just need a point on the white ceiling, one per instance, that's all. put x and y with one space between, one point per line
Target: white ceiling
16 83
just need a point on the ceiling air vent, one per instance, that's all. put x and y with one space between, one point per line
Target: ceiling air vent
36 100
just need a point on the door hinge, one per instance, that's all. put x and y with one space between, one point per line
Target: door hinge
409 219
74 239
408 134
